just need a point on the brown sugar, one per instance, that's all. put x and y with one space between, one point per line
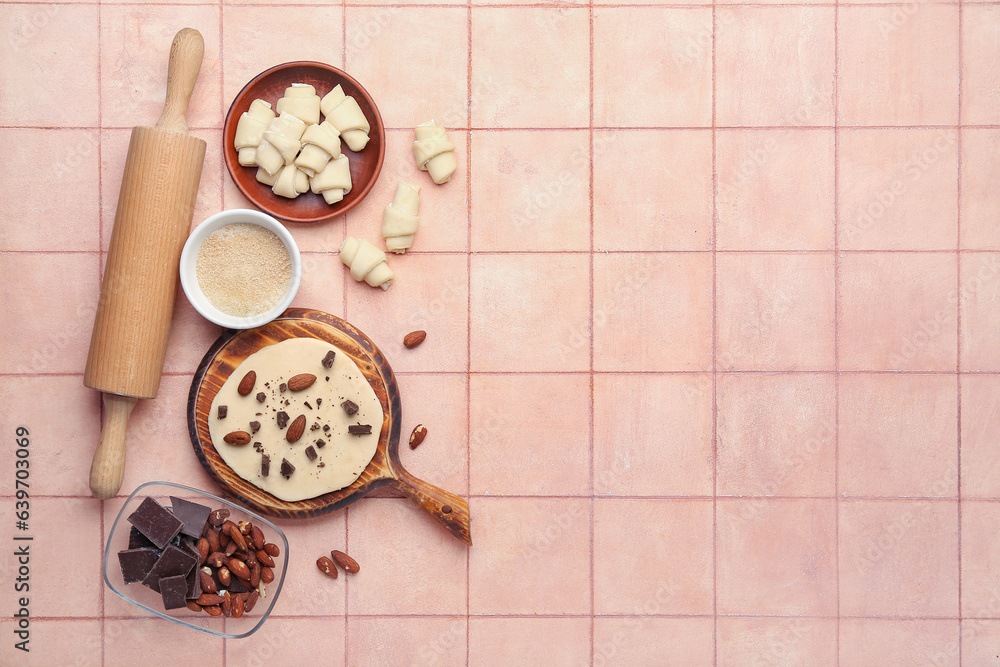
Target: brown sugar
243 269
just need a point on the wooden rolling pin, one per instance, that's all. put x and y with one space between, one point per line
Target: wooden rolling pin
155 207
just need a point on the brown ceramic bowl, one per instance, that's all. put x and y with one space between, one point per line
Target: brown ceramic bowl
365 166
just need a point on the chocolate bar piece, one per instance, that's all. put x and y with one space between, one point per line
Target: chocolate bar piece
328 359
311 453
136 563
350 407
360 429
137 540
192 515
155 522
173 590
193 584
173 562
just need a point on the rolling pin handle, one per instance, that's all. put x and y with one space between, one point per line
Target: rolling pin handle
186 54
108 468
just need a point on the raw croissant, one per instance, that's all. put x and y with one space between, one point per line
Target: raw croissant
366 262
334 181
283 133
342 111
250 131
320 143
301 101
434 152
400 220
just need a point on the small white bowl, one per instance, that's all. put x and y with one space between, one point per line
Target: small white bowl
189 275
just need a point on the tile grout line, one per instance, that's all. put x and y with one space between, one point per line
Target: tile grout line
715 351
100 247
344 285
836 314
958 325
468 322
593 333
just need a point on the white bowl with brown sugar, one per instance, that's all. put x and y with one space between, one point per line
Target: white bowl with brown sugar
240 268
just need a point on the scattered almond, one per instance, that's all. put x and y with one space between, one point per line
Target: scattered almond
301 381
418 435
237 438
326 566
414 338
247 383
343 560
296 429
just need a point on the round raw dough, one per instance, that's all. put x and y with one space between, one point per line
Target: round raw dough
344 456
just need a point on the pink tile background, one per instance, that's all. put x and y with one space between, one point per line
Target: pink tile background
712 328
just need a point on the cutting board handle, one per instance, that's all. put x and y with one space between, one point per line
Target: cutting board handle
108 468
435 501
186 54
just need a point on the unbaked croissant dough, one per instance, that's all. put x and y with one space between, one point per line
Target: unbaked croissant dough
250 131
342 111
400 220
284 133
291 182
320 143
334 181
366 262
268 158
266 178
434 152
301 101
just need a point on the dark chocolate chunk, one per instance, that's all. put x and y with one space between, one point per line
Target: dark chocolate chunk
173 590
287 468
193 583
320 465
136 563
319 402
327 378
328 359
156 523
282 419
282 387
360 429
311 453
236 586
307 404
261 397
314 427
191 514
173 562
223 411
265 465
137 540
350 407
254 426
321 443
326 428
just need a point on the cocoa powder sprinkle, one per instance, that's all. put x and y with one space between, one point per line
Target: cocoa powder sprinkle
243 269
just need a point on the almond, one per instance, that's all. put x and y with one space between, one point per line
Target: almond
257 537
209 599
326 566
265 558
255 573
213 540
225 576
418 435
414 338
301 381
217 517
227 604
266 575
244 527
203 550
251 601
239 568
343 560
272 550
237 606
193 606
296 429
235 535
247 383
217 559
207 583
214 610
237 438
